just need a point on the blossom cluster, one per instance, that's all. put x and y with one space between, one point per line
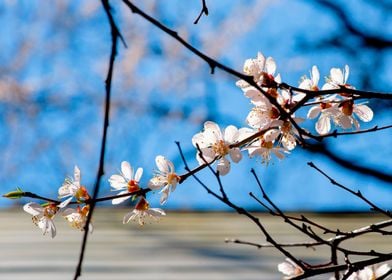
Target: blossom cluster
273 129
127 182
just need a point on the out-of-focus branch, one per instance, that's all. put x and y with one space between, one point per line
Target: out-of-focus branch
322 148
357 193
369 40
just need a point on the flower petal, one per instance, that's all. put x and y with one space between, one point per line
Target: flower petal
223 166
270 65
138 175
120 199
33 208
231 134
127 170
363 112
162 164
235 154
313 112
65 202
315 75
323 125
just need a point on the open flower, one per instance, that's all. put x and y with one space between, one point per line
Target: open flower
290 268
337 79
289 133
261 117
165 178
350 113
77 217
215 144
328 109
72 188
126 181
142 211
265 145
43 216
312 82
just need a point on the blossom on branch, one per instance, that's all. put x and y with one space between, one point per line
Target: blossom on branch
78 217
312 82
43 216
265 144
290 269
165 178
72 188
214 144
350 112
328 109
142 211
337 78
126 181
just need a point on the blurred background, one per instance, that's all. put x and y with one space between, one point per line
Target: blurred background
53 63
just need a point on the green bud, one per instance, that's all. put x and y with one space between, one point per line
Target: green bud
15 194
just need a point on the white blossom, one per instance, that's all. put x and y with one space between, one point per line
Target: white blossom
77 217
125 182
215 144
165 178
142 211
73 188
265 146
337 78
290 269
43 216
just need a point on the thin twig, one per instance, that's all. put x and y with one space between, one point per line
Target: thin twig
204 10
357 193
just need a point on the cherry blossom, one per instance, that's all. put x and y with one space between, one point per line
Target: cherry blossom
351 111
165 178
337 78
265 145
77 217
263 71
261 117
73 188
290 269
142 211
289 133
312 82
215 144
126 181
328 110
43 216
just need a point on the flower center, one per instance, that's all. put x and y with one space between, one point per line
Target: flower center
82 193
286 127
142 205
50 210
220 148
133 186
347 107
173 178
274 113
325 105
267 144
